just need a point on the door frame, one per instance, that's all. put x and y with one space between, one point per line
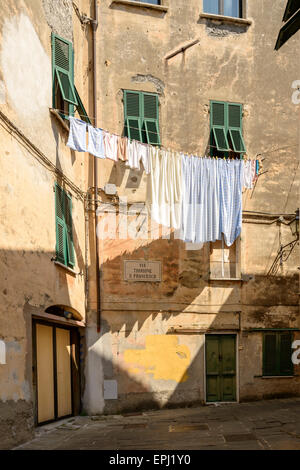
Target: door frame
237 368
71 329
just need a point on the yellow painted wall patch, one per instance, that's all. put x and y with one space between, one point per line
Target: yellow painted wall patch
162 357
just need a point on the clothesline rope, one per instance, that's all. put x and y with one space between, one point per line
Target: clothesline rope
157 133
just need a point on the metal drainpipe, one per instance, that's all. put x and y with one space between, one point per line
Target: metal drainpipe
95 26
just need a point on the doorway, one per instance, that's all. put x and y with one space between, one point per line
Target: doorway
220 354
56 377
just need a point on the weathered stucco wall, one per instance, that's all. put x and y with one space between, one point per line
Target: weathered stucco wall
231 62
142 347
29 280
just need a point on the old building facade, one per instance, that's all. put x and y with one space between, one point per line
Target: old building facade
105 343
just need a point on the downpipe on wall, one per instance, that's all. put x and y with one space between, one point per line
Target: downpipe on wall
98 290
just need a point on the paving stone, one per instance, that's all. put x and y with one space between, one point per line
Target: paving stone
273 424
188 427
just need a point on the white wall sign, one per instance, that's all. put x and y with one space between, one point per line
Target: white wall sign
2 352
140 270
110 390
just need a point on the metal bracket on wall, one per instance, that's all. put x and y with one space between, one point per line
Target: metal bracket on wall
84 19
182 49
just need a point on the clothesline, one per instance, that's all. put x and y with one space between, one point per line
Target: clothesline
102 144
167 148
200 197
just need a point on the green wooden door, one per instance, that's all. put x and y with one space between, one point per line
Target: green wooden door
220 368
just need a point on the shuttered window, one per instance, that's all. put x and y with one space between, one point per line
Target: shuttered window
141 117
277 353
226 128
65 94
64 97
64 233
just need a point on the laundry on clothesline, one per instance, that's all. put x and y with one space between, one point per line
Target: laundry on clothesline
200 198
96 142
77 135
103 144
164 190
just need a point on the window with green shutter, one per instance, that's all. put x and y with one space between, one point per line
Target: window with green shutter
65 94
277 353
64 232
141 117
226 129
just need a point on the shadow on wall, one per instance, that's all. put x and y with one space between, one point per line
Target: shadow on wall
141 347
30 282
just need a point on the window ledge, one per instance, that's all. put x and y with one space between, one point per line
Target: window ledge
277 376
140 4
70 270
226 19
56 113
235 279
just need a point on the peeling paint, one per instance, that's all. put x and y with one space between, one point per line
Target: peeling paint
159 84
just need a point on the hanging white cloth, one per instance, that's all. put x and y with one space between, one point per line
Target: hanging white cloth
211 199
247 176
77 135
200 200
231 199
111 146
133 154
143 154
96 142
164 188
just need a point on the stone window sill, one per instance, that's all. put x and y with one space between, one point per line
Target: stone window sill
235 279
140 5
277 376
70 270
226 19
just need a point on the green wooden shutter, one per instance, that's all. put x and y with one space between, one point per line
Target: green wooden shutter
218 124
132 115
270 354
61 248
63 69
69 230
150 114
81 109
228 365
213 383
235 127
285 353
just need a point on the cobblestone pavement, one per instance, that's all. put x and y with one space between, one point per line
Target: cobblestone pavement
272 424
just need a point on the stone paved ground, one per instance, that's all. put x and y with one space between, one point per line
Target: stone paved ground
272 424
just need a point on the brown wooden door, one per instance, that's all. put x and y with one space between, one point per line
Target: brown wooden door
57 372
45 373
63 372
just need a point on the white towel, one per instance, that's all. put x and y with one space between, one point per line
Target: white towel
144 157
133 159
111 146
77 135
164 188
96 143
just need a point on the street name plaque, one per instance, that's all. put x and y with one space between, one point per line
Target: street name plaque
140 270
